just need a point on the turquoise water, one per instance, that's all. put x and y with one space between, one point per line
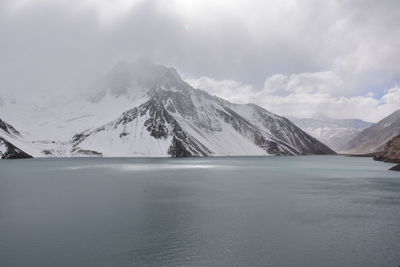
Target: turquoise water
239 211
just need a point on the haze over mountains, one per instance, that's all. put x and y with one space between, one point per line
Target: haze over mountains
142 109
352 135
374 138
335 133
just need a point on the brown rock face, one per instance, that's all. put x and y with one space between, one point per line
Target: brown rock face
391 152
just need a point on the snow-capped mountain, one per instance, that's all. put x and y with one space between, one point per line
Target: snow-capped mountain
142 109
374 138
168 117
335 133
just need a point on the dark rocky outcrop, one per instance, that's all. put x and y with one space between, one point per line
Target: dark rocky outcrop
9 151
395 168
391 153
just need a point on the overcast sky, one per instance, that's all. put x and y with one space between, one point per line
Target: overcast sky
339 58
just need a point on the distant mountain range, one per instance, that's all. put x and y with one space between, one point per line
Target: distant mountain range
142 109
335 133
374 138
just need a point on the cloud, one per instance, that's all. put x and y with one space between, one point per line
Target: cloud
305 95
317 82
231 90
331 49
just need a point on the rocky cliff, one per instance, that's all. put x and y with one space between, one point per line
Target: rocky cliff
391 153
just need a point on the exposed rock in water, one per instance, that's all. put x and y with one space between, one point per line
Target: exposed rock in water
395 168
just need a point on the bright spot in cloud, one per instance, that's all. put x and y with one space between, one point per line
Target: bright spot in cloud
109 11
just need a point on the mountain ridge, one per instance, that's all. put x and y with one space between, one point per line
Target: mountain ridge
374 138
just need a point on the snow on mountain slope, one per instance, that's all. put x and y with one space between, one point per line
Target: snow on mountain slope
46 130
335 133
170 118
8 129
374 138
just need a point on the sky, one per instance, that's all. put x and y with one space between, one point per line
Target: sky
298 58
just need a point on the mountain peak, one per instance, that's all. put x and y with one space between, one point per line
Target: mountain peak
132 78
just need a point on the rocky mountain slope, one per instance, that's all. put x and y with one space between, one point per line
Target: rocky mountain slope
391 152
8 129
142 109
7 149
374 138
335 133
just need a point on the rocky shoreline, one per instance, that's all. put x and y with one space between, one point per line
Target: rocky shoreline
391 153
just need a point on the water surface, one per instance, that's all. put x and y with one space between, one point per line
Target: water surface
239 211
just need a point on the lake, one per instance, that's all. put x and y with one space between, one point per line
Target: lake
224 211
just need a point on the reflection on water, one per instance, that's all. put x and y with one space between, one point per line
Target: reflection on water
142 167
240 211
